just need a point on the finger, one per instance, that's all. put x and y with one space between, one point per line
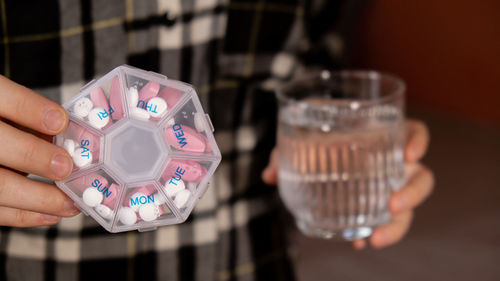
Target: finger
20 192
27 153
23 106
359 244
28 130
391 233
270 173
22 218
419 187
15 171
417 140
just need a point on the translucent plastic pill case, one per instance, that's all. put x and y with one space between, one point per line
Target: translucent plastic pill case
142 147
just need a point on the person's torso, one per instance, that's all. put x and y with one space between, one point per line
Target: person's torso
225 50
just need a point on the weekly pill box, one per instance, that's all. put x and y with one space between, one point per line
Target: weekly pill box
142 147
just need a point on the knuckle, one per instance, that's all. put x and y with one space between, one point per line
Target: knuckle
29 151
20 218
53 202
21 104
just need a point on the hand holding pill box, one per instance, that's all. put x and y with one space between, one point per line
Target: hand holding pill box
142 147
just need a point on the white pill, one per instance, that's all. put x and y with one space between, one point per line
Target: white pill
149 212
98 117
139 113
127 216
104 211
135 200
192 185
69 145
82 107
156 107
159 199
92 197
182 198
133 97
173 187
199 122
82 157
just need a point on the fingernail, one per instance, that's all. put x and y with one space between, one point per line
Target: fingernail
54 120
50 218
70 208
60 166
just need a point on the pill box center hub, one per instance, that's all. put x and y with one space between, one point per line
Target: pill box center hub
136 149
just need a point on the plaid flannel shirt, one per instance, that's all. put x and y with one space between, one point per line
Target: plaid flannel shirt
225 49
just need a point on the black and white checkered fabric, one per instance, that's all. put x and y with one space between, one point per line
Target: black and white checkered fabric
226 50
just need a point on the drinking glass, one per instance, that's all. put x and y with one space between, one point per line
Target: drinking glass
340 141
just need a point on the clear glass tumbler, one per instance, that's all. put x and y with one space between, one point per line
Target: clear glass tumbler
340 140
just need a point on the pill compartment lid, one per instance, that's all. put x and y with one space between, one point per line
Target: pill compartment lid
189 173
100 104
187 130
102 183
135 151
144 206
152 94
83 143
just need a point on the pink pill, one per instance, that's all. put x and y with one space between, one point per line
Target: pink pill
208 148
171 96
98 98
111 196
162 209
84 138
191 171
94 142
116 100
146 190
150 90
185 138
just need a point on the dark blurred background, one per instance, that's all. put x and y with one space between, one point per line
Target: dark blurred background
448 54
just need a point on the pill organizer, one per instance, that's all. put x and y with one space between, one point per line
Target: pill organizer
142 147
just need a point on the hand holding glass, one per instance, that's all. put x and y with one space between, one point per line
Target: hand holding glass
340 143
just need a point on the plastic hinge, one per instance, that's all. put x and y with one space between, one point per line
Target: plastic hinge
88 84
161 76
147 229
209 122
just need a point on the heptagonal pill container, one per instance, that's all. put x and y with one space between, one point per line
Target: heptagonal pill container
142 147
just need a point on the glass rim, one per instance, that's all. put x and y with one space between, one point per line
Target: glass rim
397 92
